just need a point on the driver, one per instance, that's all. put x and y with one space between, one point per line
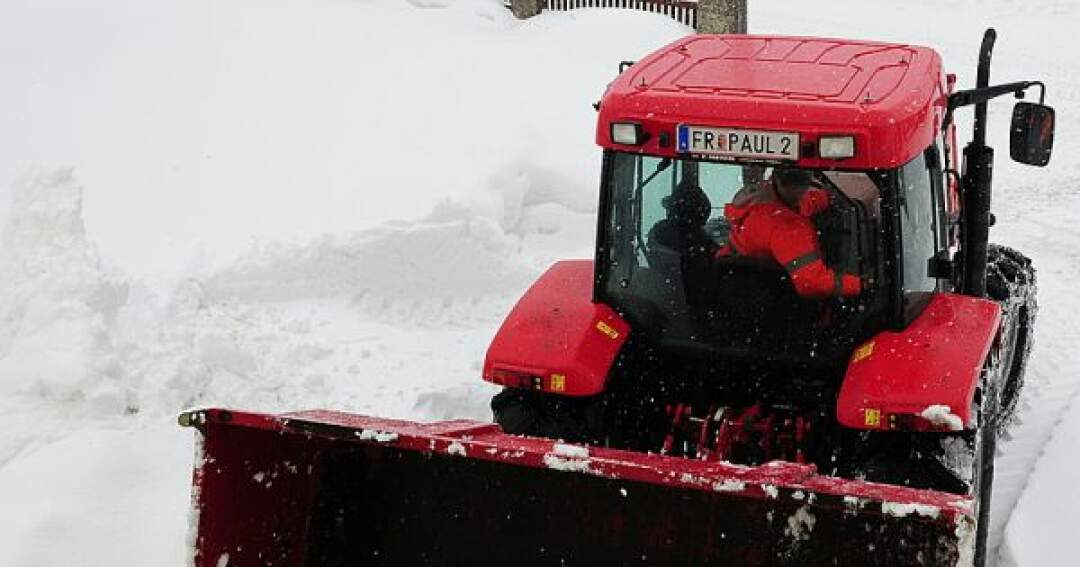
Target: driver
771 220
687 209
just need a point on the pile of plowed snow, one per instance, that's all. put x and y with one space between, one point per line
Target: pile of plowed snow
246 250
286 324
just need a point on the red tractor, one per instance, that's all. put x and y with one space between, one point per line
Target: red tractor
793 346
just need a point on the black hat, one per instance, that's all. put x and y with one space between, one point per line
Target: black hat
687 204
791 176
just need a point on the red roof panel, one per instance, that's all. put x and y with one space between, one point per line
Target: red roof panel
890 96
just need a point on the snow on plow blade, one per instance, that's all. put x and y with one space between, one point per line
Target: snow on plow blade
321 488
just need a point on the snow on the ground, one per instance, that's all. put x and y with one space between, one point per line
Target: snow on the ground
101 495
1044 524
278 204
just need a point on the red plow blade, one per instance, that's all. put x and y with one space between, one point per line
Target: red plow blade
322 489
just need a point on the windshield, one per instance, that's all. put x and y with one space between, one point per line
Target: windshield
700 248
652 184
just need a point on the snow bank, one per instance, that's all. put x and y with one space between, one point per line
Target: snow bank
285 324
58 304
264 272
452 254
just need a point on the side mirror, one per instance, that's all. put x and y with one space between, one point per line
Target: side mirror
1032 133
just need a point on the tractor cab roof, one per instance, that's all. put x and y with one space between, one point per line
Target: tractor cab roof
890 98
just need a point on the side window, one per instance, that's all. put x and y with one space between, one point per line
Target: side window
920 228
658 181
950 190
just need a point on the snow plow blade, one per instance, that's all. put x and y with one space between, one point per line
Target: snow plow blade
321 488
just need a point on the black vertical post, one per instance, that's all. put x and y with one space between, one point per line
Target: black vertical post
982 80
977 180
601 262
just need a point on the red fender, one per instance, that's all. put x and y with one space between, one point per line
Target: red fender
556 339
896 377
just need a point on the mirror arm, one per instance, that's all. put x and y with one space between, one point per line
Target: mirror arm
969 97
975 96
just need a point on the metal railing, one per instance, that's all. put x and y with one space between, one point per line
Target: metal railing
683 11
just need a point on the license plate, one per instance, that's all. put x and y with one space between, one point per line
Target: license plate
737 143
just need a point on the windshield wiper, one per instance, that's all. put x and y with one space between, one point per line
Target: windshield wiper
664 164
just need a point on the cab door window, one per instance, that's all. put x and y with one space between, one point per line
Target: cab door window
921 222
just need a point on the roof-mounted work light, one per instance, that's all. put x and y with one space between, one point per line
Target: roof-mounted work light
627 133
836 147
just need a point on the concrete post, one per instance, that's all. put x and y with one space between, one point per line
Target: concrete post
721 16
526 8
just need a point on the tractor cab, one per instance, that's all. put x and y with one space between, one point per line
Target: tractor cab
867 123
671 269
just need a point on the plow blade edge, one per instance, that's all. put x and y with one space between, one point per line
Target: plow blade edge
326 489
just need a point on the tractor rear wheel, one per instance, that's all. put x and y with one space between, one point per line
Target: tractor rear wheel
1010 280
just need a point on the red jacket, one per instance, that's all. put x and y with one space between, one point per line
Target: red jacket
763 227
